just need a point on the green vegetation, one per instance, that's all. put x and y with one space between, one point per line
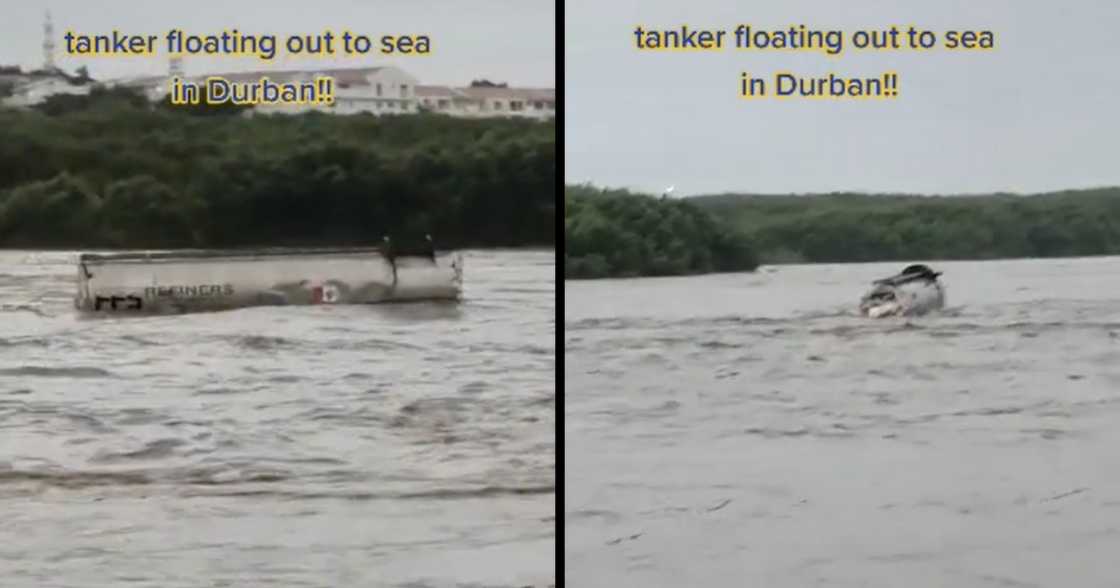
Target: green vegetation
111 170
613 233
860 227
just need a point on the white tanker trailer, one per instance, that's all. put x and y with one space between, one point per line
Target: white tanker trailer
207 280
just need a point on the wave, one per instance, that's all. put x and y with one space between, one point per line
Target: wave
437 494
57 372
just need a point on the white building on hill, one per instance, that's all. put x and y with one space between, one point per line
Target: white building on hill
377 90
373 90
518 102
36 91
488 101
34 87
444 100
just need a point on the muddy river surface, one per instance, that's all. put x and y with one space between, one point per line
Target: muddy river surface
324 446
750 430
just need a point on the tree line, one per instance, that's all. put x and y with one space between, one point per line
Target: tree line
616 233
852 227
112 170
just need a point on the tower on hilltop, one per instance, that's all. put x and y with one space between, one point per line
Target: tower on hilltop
175 67
48 42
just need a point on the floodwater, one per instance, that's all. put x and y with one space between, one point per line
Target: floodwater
385 445
751 430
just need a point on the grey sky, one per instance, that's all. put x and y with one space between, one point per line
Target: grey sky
1040 112
502 40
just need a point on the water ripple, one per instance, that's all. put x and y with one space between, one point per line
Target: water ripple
284 427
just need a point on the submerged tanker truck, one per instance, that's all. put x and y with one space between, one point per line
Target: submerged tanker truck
208 280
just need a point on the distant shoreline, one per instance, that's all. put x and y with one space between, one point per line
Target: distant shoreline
884 227
618 234
857 227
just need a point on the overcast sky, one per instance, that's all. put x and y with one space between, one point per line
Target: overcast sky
1041 112
502 40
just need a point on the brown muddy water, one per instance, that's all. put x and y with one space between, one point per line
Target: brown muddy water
385 445
751 430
